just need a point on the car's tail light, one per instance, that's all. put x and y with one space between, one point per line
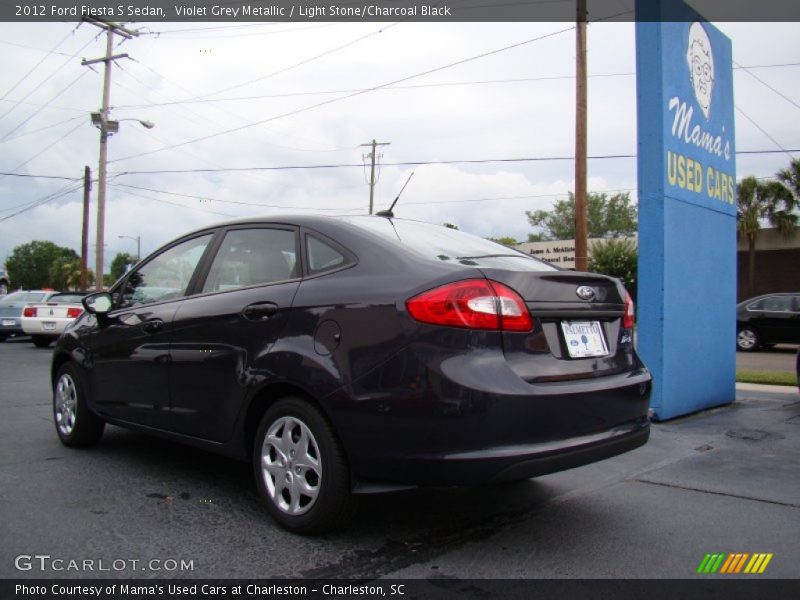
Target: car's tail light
627 320
29 311
473 304
74 312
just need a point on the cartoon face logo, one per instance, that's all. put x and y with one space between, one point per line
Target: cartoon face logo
701 66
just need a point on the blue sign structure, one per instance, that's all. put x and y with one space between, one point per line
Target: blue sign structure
687 210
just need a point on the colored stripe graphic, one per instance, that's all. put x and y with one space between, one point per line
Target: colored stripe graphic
727 567
722 563
741 562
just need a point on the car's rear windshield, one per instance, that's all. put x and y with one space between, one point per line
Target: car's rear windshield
449 245
23 297
66 298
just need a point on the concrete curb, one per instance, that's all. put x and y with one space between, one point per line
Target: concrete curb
772 389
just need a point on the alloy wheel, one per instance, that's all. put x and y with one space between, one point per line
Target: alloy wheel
746 339
66 404
291 466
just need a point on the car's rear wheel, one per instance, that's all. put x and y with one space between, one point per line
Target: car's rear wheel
41 341
300 468
747 339
77 426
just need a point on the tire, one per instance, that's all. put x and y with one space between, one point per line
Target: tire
41 341
747 339
3 338
311 497
76 425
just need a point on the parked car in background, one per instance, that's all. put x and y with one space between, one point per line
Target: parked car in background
11 307
45 321
357 355
4 283
767 320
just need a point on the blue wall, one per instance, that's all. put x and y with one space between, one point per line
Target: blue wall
687 212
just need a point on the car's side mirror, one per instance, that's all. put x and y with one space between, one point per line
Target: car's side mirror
97 304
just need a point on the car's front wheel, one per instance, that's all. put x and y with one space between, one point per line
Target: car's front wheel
300 468
77 426
747 339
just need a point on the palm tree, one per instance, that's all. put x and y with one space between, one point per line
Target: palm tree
771 201
790 178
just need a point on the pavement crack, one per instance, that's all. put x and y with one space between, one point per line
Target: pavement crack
702 491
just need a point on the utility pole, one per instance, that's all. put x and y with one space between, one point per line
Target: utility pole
87 188
372 156
107 128
581 251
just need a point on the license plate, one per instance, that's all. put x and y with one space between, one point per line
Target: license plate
48 325
9 323
584 338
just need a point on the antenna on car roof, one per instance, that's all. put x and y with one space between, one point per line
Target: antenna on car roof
389 213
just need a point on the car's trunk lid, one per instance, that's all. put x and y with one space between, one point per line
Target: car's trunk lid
561 304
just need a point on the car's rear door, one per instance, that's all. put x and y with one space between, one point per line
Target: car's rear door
776 320
223 334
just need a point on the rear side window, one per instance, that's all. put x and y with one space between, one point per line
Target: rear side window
778 303
449 245
252 257
322 256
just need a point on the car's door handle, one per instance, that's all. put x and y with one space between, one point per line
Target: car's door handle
259 311
153 326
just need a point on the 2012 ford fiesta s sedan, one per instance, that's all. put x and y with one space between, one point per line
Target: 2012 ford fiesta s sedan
346 355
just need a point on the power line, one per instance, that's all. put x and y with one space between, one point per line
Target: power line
298 64
401 87
49 198
762 130
36 112
36 66
409 163
398 87
46 148
768 86
45 80
237 202
16 137
39 49
6 174
364 91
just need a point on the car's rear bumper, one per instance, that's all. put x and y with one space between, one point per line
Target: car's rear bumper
422 423
36 326
10 326
495 465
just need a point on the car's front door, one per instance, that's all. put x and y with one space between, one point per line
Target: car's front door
222 335
128 352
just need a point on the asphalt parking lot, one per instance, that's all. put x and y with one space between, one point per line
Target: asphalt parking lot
726 480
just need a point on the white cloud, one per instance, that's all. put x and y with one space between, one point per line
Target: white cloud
487 120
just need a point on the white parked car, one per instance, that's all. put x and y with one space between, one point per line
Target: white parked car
11 307
45 321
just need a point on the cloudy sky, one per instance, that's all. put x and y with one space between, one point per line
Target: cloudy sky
242 96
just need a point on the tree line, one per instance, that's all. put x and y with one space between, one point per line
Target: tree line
613 218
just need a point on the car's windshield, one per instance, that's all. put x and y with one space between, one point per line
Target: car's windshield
23 297
449 245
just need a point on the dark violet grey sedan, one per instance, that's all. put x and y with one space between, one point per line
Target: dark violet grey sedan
349 355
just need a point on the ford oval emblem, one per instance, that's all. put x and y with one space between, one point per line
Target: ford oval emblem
585 292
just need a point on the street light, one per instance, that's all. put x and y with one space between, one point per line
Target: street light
107 128
138 240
